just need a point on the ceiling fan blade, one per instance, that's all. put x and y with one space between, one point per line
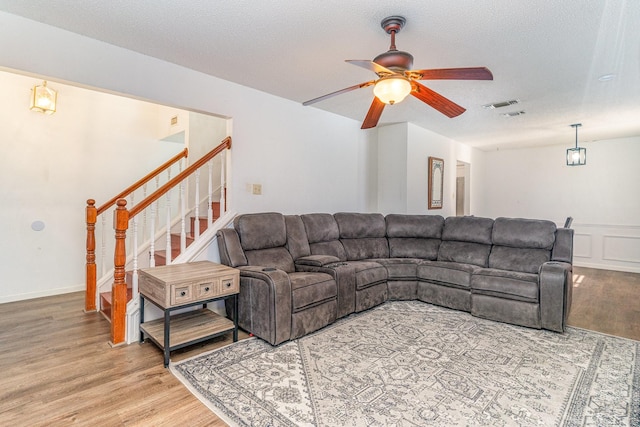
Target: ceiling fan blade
375 111
437 101
371 66
338 92
473 73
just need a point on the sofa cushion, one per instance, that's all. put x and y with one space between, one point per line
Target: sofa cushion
297 242
365 248
464 252
362 235
261 230
416 226
320 227
446 273
279 258
468 229
358 225
323 235
309 289
408 247
506 284
368 273
518 259
400 268
524 233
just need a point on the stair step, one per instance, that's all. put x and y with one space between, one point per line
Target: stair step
106 301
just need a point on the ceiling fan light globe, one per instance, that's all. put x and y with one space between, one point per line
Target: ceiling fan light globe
392 89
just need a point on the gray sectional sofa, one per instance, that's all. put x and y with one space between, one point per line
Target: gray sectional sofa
299 273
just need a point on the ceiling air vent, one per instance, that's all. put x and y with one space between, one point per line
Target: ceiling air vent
501 104
513 114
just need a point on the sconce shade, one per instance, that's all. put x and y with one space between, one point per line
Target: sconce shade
576 156
43 99
392 89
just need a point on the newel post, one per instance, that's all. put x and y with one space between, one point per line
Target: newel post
91 214
119 287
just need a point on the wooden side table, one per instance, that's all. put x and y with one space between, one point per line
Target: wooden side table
177 286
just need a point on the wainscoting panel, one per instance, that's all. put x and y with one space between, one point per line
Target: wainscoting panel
607 246
582 245
621 248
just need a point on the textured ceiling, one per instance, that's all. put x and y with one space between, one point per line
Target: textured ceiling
548 54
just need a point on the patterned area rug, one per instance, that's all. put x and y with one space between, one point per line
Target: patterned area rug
415 364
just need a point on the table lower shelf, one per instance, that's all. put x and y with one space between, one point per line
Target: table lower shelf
188 328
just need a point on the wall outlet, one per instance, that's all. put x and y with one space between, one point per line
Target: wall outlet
257 189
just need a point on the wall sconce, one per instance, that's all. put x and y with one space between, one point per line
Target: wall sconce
576 156
43 99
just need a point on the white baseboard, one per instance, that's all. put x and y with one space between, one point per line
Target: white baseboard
40 294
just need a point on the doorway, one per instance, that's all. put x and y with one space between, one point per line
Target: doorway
463 177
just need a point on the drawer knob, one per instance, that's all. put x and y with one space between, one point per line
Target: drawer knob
206 289
228 284
183 293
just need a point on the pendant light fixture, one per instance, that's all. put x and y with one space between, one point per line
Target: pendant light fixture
576 156
43 99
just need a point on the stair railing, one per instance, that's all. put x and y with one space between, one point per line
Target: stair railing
121 223
92 213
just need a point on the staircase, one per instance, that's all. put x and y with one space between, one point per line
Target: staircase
121 239
160 258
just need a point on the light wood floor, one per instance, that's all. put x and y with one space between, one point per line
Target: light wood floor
57 367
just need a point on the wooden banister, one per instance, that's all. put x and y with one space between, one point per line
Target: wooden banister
91 215
144 180
121 223
226 143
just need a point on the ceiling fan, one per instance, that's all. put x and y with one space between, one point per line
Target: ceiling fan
396 79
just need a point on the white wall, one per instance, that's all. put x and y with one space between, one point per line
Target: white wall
403 168
94 146
305 159
601 196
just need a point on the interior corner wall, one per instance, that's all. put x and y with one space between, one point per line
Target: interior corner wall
306 159
403 165
392 168
602 196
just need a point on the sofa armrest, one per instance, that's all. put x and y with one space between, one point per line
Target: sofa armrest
265 303
317 260
556 286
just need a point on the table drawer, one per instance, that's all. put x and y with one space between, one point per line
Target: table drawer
206 289
229 285
181 294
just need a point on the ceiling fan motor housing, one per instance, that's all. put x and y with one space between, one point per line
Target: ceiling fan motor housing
395 60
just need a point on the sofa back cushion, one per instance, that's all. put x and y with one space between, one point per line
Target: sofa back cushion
263 237
468 229
323 235
464 252
521 244
363 235
466 239
414 236
297 242
524 233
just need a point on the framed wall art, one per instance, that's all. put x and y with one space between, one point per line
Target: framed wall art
436 179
